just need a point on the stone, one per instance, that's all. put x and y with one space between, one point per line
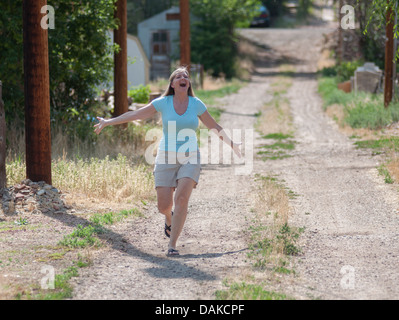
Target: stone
34 198
368 78
19 196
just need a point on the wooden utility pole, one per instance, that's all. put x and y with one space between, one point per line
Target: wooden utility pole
185 51
37 93
120 60
388 90
340 42
3 178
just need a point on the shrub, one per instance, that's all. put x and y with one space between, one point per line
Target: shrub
214 41
140 94
345 70
371 114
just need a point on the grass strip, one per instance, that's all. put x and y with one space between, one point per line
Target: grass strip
245 291
87 236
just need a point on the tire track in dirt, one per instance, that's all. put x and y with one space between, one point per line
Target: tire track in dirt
212 245
349 214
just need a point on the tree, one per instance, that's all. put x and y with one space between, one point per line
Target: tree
3 178
389 57
214 40
276 8
80 57
385 9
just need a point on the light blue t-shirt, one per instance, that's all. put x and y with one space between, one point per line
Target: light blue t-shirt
179 131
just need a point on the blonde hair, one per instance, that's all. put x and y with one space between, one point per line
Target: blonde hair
170 91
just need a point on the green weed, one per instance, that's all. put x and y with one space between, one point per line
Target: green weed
244 291
83 237
383 171
278 149
379 145
209 96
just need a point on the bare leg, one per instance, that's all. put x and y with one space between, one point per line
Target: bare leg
165 202
183 192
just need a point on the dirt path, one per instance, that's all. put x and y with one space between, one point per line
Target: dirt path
350 244
212 245
350 216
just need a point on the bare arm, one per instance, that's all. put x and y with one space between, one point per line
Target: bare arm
140 114
212 125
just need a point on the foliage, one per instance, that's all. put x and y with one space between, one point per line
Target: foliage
371 31
371 114
80 56
11 57
346 69
331 94
244 291
304 7
213 36
82 237
140 94
362 110
276 8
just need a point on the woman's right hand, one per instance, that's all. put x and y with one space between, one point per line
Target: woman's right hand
102 123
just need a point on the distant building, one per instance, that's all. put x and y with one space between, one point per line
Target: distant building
138 66
160 36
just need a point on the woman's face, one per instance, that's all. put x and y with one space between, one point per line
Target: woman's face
181 82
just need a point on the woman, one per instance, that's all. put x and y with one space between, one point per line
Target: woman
177 165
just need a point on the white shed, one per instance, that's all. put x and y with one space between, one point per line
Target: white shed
160 36
138 67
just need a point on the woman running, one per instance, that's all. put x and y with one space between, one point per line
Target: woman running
177 164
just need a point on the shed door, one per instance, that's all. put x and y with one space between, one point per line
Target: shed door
160 55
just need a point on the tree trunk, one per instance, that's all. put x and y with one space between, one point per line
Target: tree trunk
3 177
120 60
185 51
37 93
388 90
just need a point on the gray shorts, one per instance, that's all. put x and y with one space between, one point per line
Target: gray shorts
172 166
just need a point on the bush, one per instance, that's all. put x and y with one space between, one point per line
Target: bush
345 70
371 114
80 58
140 94
362 110
214 41
331 94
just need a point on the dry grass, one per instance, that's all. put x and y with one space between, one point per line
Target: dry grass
393 167
272 239
272 205
111 169
275 116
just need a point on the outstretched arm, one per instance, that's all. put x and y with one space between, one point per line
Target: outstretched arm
212 125
140 114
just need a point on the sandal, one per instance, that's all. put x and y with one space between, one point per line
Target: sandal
172 252
168 228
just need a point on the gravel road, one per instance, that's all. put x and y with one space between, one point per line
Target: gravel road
351 240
